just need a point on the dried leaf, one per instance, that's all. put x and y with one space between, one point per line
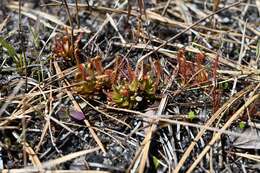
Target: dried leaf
182 64
202 75
158 72
185 68
216 4
252 142
199 58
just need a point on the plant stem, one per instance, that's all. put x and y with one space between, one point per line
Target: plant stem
77 11
72 32
23 61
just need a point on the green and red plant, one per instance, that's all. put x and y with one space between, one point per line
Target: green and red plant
192 72
92 77
66 47
121 84
123 87
132 92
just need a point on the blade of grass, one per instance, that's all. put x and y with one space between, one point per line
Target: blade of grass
10 49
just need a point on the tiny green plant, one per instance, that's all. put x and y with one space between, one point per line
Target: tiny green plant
120 84
191 115
10 49
35 37
224 85
64 49
92 77
133 90
188 70
242 124
18 59
156 162
129 94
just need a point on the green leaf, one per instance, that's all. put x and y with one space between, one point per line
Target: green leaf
191 115
117 98
133 87
148 86
225 85
125 103
156 162
242 124
36 39
10 49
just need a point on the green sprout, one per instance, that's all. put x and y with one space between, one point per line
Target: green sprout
122 89
242 124
18 59
191 115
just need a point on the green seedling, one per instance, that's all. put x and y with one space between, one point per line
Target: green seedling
66 48
18 59
242 124
36 38
92 77
156 162
191 115
224 85
10 49
132 92
120 83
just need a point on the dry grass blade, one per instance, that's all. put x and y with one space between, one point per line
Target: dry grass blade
34 13
184 11
2 25
156 17
145 152
165 119
216 5
32 155
147 140
241 72
55 162
184 31
107 115
112 22
249 156
258 5
15 91
49 171
20 113
68 157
